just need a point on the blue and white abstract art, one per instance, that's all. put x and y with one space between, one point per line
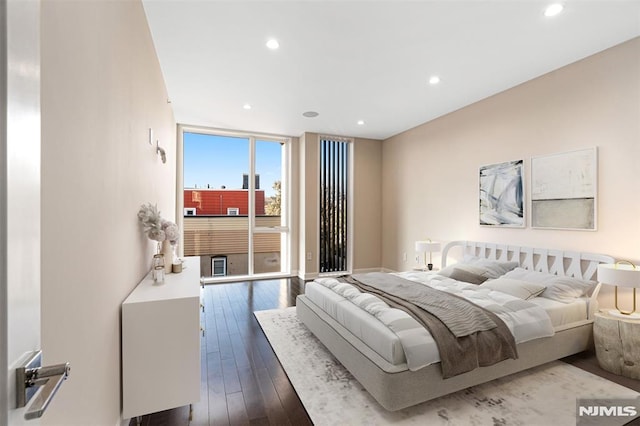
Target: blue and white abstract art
502 194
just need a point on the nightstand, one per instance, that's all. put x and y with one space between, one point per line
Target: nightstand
617 342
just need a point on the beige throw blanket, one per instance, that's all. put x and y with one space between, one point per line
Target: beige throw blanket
467 335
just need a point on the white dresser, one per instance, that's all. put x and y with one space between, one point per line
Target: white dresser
161 343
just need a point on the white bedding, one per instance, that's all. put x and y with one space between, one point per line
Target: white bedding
374 333
417 348
563 313
560 313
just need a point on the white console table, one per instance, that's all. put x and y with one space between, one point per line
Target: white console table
161 343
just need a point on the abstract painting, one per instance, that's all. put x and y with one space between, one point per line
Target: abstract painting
502 194
563 190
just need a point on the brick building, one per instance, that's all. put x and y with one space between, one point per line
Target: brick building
221 202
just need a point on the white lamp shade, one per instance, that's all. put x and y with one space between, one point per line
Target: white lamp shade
619 274
427 246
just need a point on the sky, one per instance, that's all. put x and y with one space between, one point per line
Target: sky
222 160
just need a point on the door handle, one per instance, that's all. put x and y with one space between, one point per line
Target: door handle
38 384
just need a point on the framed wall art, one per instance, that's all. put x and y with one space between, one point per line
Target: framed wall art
564 190
502 194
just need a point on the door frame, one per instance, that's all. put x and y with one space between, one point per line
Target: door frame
20 188
3 216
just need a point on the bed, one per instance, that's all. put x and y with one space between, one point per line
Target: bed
371 352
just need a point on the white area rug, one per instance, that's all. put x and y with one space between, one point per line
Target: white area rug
545 395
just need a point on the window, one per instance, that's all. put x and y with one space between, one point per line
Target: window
239 185
190 211
334 205
219 266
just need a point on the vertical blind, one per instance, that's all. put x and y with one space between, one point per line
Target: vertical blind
334 184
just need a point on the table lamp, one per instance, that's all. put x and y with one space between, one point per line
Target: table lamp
427 246
621 274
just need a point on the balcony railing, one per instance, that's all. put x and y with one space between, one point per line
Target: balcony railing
211 235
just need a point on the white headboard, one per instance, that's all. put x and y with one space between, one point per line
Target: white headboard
558 262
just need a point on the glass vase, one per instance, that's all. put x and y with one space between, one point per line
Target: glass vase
158 267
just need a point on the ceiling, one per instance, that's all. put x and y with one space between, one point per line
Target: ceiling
364 60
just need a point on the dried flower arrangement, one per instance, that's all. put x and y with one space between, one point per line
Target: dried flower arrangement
157 228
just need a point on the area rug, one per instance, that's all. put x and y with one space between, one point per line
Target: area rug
545 395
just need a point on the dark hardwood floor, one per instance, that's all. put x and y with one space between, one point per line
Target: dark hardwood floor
242 380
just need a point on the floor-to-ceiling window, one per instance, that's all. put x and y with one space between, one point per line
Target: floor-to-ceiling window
335 218
235 201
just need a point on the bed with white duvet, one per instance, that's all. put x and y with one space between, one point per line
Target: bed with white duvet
546 298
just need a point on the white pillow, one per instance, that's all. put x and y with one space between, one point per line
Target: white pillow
461 267
495 269
522 289
483 267
467 276
559 288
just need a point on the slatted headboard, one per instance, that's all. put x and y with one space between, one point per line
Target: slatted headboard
558 262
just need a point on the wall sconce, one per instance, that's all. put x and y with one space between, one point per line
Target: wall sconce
427 246
160 151
621 274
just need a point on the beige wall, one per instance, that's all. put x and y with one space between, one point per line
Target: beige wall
293 204
367 204
307 211
430 185
367 199
102 89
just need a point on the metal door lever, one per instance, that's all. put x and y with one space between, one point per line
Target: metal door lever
39 384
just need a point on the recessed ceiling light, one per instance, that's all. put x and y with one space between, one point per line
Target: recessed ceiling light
434 79
310 114
553 9
273 44
246 106
360 122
